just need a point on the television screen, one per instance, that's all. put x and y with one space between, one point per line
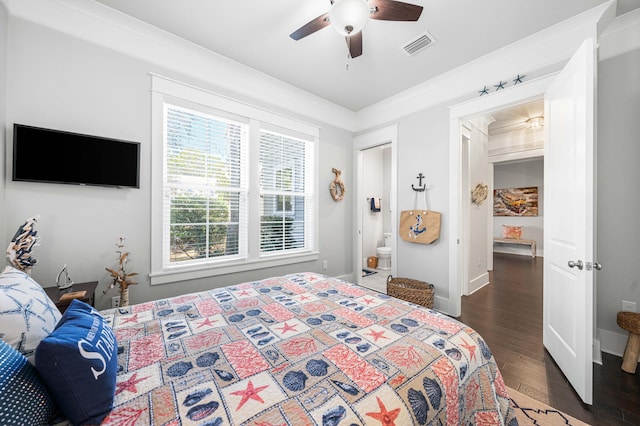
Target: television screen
45 155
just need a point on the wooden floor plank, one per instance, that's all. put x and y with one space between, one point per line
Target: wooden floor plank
508 315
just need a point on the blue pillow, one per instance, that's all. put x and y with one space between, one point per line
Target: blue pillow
78 362
24 399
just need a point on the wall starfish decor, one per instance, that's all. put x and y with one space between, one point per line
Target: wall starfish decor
502 85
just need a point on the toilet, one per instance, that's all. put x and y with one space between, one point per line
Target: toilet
384 253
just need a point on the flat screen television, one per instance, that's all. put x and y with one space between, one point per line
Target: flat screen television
53 156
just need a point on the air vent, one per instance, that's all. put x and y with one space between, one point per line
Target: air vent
417 44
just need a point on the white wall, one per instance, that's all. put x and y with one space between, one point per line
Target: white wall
422 147
618 204
58 81
3 118
521 174
478 214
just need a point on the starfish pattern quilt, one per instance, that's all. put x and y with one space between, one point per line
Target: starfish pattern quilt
302 349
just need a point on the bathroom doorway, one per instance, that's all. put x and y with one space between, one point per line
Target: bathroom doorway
376 216
375 158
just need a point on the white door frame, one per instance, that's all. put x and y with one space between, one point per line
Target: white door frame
512 96
386 135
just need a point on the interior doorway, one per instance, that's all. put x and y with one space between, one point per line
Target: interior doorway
501 150
376 216
375 158
459 114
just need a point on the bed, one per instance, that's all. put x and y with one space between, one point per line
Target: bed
301 349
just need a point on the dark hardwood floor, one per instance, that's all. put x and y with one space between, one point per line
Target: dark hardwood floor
508 315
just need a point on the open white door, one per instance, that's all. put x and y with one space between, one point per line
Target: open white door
569 220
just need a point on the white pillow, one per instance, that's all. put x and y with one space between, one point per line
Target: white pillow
27 314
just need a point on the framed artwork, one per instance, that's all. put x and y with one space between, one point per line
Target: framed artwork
515 202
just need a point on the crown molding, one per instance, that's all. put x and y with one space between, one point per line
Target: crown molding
622 36
547 49
101 25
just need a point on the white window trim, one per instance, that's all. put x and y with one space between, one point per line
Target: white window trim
165 89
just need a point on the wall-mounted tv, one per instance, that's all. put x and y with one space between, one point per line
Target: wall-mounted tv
53 156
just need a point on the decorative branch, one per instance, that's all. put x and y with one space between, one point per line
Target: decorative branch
119 274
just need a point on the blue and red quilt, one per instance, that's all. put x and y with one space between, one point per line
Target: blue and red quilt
303 349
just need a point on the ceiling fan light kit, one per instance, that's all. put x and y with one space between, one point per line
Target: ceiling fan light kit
349 17
535 122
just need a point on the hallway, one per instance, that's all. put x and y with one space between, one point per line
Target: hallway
508 315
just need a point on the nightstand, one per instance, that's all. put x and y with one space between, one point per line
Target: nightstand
55 294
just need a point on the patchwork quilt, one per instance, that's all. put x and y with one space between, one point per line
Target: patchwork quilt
303 349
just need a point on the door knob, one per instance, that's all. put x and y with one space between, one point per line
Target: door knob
577 264
597 266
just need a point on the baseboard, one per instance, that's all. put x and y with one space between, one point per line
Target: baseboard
611 342
477 283
521 251
348 277
597 352
441 304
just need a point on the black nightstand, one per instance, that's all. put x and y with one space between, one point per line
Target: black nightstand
54 293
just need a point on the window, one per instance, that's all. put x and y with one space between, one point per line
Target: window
204 186
233 186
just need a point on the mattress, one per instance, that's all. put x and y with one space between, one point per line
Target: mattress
302 349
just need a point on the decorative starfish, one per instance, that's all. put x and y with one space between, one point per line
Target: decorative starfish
518 79
288 327
387 418
249 393
49 308
25 310
133 319
12 287
470 348
368 301
244 293
377 335
207 322
484 91
500 85
129 385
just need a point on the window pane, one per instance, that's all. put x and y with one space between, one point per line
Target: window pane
223 240
188 242
282 231
286 194
204 172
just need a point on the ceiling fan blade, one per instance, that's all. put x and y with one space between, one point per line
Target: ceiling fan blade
391 10
354 43
311 27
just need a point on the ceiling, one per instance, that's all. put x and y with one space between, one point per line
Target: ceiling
256 34
516 117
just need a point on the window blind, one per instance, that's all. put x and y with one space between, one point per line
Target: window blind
286 191
205 187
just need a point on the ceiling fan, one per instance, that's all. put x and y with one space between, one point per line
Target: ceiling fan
348 17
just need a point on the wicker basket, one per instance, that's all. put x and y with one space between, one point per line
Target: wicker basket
414 291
